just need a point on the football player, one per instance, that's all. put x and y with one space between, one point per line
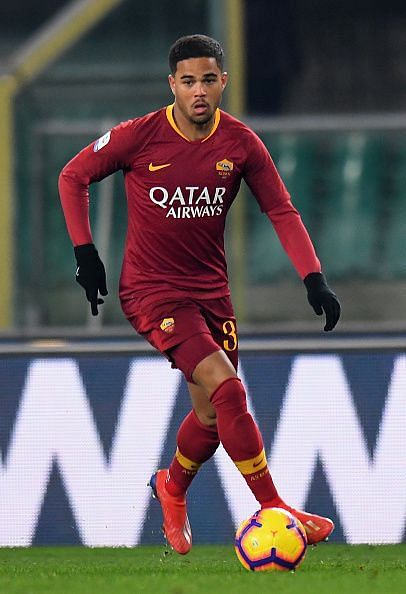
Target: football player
183 166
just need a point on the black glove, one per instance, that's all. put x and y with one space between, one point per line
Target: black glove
90 274
322 298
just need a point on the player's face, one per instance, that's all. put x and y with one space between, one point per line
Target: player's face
198 85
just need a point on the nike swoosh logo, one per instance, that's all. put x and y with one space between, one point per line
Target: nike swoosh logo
152 167
258 463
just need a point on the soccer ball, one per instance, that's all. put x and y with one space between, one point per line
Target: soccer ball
271 540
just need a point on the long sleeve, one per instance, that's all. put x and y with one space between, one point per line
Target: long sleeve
294 238
273 198
74 194
108 154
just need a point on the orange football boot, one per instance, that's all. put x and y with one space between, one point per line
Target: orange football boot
317 527
176 524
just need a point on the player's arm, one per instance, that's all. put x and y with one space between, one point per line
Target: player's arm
95 162
274 199
296 242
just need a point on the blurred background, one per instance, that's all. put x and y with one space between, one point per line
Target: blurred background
323 82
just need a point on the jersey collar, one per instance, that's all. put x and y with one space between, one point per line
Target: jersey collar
171 120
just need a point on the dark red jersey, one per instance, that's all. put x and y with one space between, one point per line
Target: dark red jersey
179 193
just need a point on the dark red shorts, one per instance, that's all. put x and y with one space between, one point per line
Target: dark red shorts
166 324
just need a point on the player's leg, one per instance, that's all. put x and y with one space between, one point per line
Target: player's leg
243 442
196 443
197 440
205 411
237 429
179 331
204 363
166 325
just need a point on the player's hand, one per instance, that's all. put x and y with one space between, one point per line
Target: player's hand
322 299
91 274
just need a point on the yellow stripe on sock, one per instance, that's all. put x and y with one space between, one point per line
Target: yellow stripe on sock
185 462
253 464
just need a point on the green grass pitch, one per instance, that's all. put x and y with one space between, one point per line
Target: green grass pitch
327 569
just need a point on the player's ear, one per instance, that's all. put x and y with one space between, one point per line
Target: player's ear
224 80
171 83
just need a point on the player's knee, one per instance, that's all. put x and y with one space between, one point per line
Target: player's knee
213 370
230 395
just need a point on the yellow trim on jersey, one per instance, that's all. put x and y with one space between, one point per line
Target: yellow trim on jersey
215 125
253 464
171 120
185 462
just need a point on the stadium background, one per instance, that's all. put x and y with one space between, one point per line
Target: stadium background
324 84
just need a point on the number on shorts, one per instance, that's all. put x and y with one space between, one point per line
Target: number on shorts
229 330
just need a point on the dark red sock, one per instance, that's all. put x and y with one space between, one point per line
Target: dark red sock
242 440
196 443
